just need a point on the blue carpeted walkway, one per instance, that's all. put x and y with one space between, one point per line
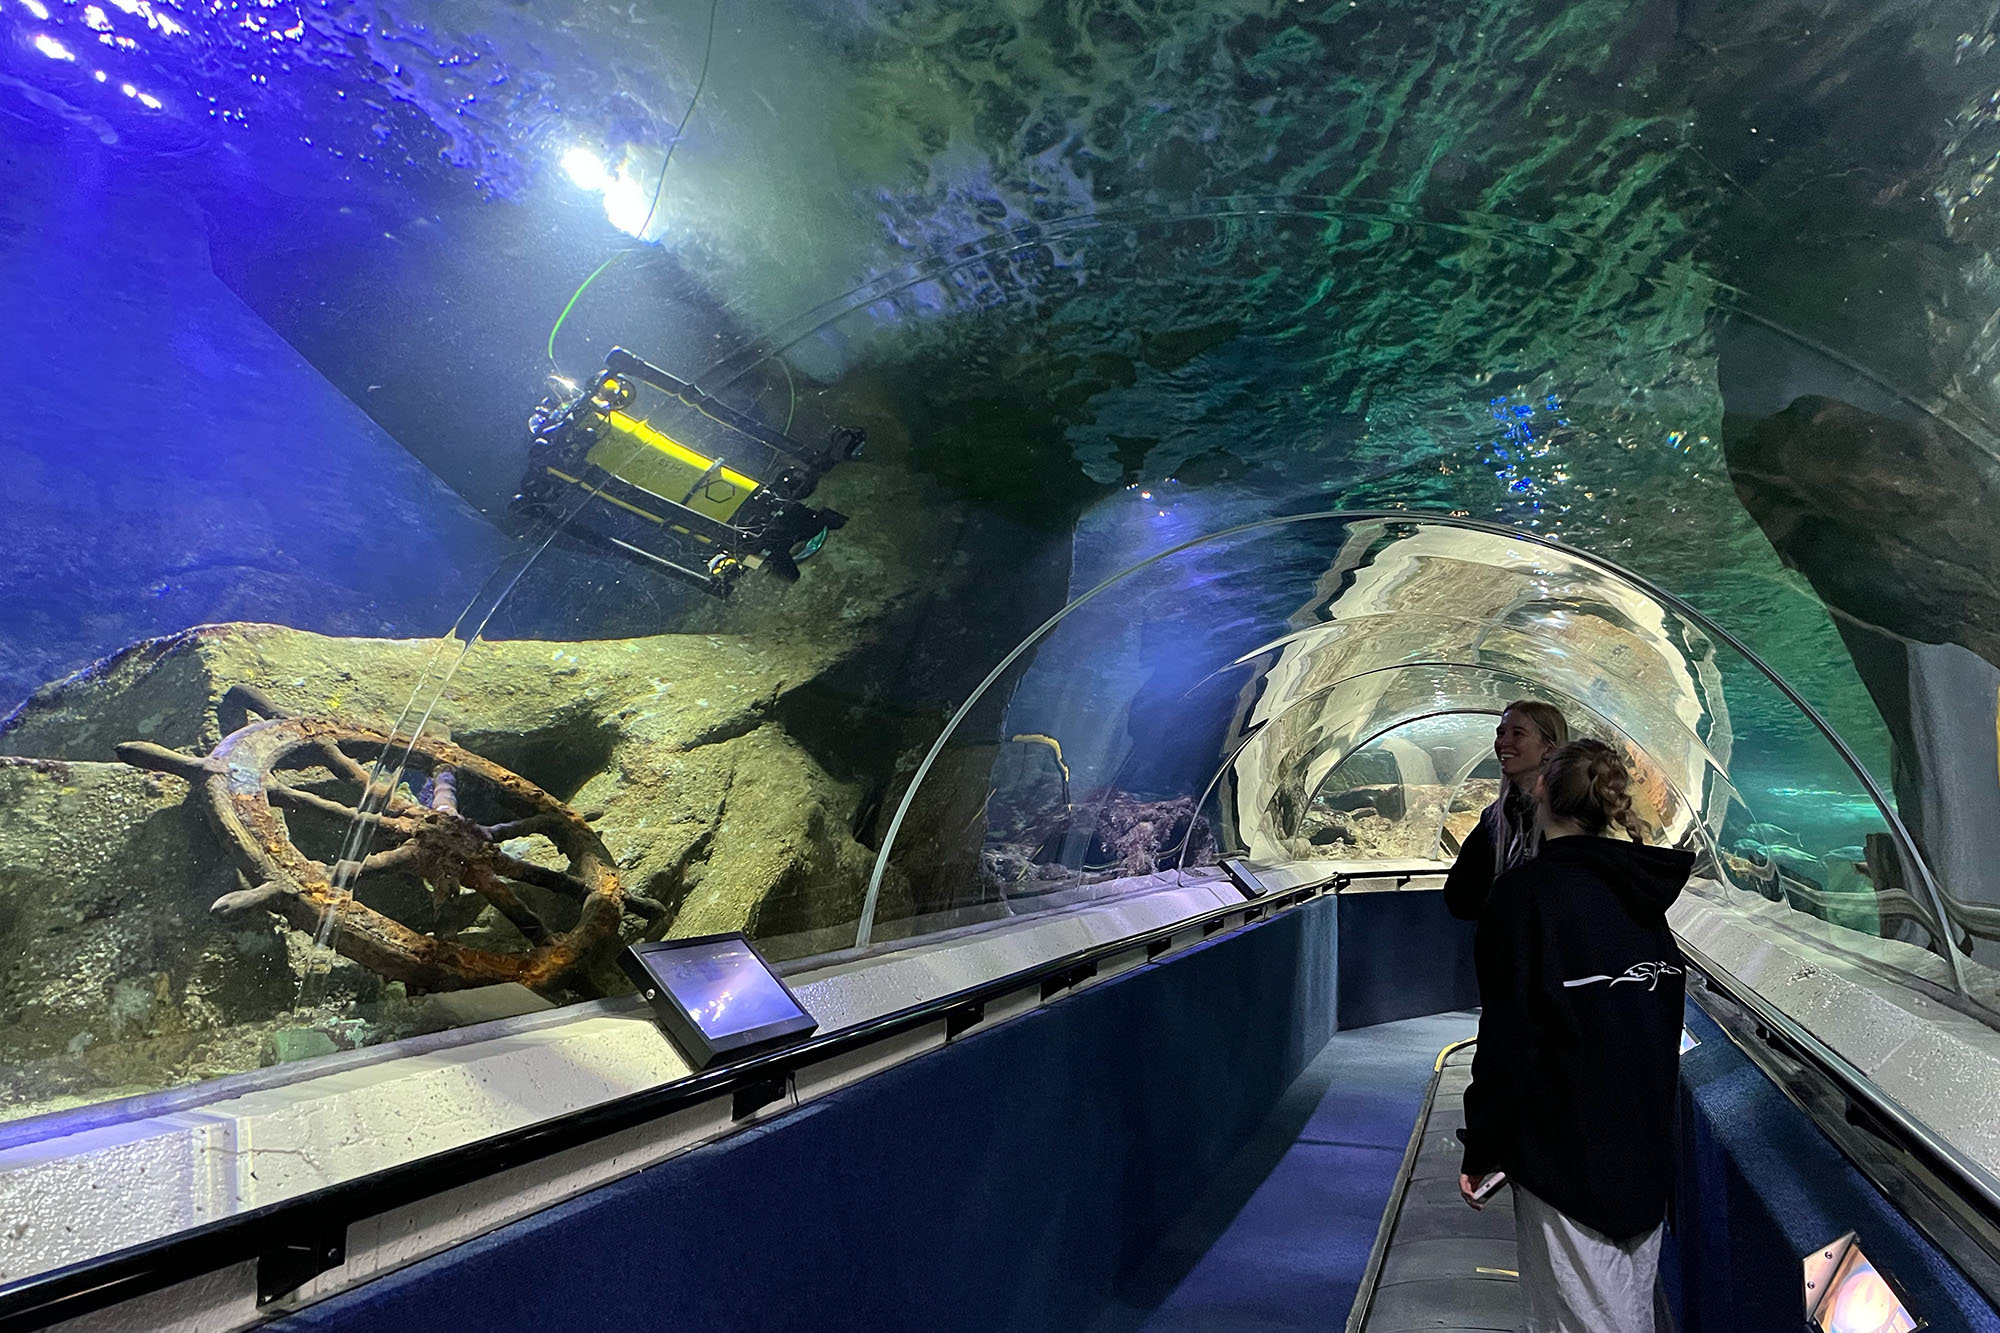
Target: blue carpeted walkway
1279 1241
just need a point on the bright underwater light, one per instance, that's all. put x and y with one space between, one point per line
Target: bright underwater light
627 205
627 201
52 48
586 169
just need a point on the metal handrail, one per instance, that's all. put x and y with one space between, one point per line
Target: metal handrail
69 1292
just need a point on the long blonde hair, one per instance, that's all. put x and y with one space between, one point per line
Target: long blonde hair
1510 820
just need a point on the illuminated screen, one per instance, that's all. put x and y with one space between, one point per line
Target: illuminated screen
1859 1300
725 989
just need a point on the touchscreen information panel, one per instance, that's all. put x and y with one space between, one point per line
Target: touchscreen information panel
726 991
716 996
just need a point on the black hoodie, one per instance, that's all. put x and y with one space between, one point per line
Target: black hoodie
1582 985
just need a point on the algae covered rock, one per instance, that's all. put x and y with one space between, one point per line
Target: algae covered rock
116 976
113 973
507 699
781 859
1889 520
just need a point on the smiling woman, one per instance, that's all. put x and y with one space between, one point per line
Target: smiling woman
1529 730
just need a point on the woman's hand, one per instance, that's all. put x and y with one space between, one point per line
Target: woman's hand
1466 1185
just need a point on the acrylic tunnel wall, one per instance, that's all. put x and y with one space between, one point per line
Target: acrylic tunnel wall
1343 709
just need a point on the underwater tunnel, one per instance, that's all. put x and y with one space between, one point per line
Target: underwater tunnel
816 665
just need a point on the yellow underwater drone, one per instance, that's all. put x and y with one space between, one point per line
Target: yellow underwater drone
610 477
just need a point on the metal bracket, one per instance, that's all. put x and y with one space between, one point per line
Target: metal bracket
282 1271
1055 985
962 1019
754 1096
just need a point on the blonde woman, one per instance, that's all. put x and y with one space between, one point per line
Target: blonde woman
1529 731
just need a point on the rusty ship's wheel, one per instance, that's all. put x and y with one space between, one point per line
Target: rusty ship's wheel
461 860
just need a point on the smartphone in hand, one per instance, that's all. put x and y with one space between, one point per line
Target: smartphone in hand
1484 1190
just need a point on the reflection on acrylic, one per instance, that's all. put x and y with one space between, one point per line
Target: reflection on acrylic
1861 1301
726 991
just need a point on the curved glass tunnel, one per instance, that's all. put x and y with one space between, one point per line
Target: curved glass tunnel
442 546
1346 713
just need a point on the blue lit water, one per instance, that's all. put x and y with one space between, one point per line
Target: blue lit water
1466 258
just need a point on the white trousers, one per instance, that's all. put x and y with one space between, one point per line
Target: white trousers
1576 1280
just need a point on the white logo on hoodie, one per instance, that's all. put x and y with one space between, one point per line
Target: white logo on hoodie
1650 973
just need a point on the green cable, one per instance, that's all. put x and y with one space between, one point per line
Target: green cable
708 49
576 296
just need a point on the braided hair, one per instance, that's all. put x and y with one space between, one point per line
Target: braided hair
1585 782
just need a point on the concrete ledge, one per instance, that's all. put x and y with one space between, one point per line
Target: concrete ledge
1366 874
1005 1181
1941 1066
852 992
89 1188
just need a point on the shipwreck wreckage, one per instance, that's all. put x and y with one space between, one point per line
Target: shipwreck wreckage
274 762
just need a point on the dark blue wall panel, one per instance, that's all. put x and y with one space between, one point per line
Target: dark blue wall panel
1402 955
1013 1179
1760 1186
1005 1182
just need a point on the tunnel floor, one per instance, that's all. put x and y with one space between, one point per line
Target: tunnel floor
1281 1239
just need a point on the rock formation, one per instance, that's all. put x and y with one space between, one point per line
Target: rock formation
116 976
1891 522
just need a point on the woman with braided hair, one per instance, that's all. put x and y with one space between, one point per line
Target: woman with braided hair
1573 1080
